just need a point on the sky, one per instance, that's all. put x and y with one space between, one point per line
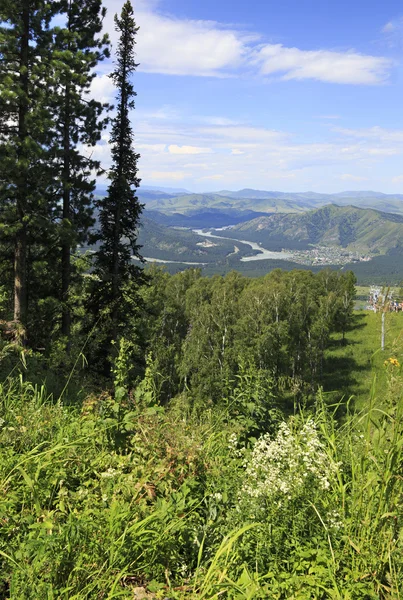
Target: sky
294 95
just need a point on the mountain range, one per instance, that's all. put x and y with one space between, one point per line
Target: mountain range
362 230
226 207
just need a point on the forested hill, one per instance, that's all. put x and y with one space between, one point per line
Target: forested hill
364 230
182 245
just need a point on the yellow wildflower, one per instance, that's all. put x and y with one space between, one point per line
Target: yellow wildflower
392 361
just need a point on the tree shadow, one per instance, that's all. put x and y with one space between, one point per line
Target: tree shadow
358 321
339 374
343 375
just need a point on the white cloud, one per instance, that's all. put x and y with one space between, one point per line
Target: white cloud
173 46
186 47
151 147
102 89
245 134
323 65
219 121
269 156
350 177
216 177
392 33
174 149
376 133
195 165
391 26
279 175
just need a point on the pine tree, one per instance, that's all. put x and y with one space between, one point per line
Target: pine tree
24 136
77 122
119 210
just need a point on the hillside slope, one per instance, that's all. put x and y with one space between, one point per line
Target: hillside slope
169 244
357 229
190 203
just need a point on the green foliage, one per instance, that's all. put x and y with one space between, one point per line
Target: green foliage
119 210
115 495
202 332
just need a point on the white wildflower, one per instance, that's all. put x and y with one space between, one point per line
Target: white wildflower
111 472
288 464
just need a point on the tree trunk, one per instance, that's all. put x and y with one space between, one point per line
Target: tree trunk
20 256
20 279
66 243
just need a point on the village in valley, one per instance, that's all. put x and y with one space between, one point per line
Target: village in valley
327 255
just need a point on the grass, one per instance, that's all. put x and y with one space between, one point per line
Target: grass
350 369
97 500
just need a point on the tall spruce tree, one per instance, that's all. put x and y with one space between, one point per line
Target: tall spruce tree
78 123
119 210
24 137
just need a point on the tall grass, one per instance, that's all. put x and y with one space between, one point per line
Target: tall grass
165 509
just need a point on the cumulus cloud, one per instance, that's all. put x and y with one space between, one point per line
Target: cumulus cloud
102 89
176 46
186 47
323 65
173 46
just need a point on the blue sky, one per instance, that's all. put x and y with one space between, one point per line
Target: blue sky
291 96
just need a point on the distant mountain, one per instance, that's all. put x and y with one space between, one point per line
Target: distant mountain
356 229
367 194
261 201
189 203
250 193
147 196
201 219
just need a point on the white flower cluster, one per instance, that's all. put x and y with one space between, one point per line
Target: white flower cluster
233 446
111 472
289 464
334 520
233 442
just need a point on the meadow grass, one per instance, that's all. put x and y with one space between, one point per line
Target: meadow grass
99 499
351 370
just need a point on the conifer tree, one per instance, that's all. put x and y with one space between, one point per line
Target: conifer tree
119 210
77 122
24 136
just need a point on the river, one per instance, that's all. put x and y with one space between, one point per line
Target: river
264 254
